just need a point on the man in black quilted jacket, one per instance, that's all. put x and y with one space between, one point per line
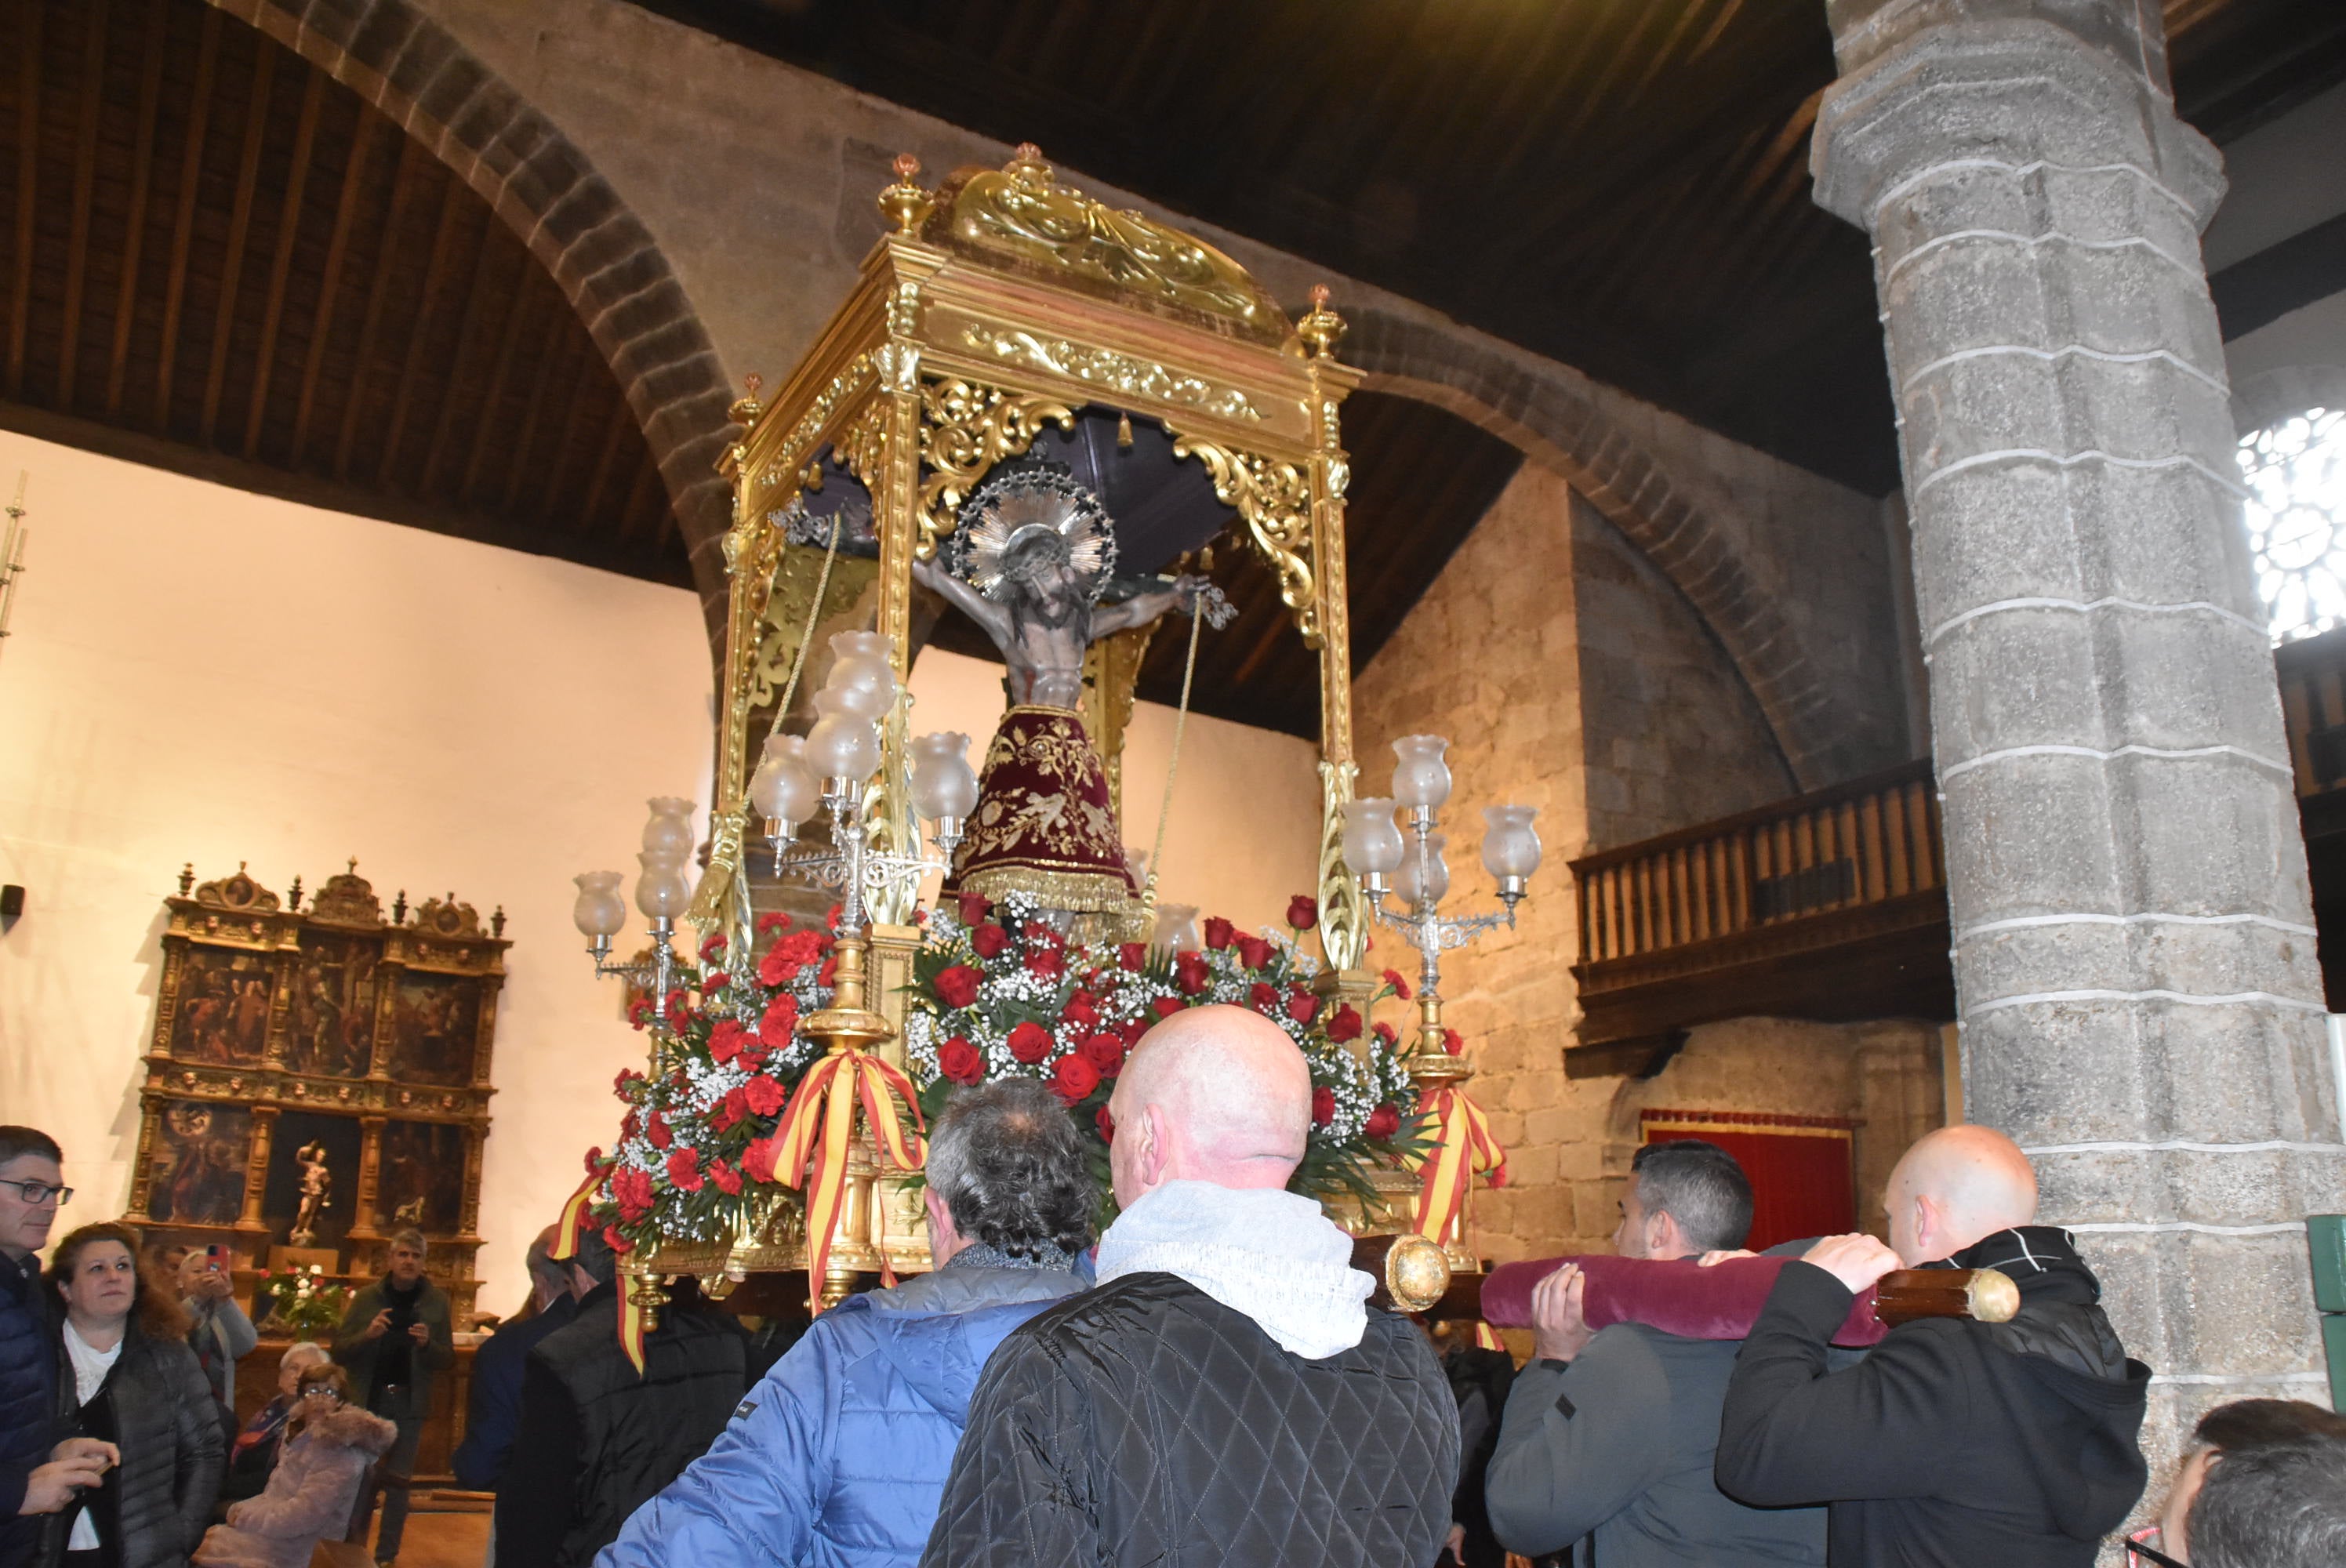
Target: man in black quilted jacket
38 1473
1226 1395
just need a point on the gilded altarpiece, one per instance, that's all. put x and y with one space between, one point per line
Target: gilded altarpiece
319 1078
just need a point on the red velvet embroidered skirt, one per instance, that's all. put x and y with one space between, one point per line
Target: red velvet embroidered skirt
1045 822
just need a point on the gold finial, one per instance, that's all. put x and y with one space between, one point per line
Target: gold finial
1026 165
1321 328
745 410
1124 431
904 202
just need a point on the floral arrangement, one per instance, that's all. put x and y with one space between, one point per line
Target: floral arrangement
998 991
304 1300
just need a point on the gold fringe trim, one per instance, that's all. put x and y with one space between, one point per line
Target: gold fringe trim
1085 893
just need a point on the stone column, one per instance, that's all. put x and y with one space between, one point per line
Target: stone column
2133 943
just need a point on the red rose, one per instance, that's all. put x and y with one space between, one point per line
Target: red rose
1323 1105
1104 1053
958 986
728 1179
1030 1042
1035 930
972 909
1303 911
726 1038
989 940
1105 1124
1343 1025
1132 957
1046 964
780 1021
1454 1042
1190 972
658 1133
1301 1006
1254 951
763 1094
684 1170
1400 986
1079 1009
1219 933
1264 998
1072 1078
958 1060
1382 1123
771 922
1167 1006
758 1159
616 1242
1132 1029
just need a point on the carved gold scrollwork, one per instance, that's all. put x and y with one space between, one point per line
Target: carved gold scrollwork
1274 498
827 404
1106 368
863 446
966 429
1344 911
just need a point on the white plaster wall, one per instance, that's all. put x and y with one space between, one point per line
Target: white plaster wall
200 674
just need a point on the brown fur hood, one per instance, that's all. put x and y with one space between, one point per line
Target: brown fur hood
351 1427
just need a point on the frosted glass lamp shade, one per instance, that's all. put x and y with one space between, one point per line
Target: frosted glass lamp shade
668 834
1428 888
1177 928
1420 779
1372 845
862 679
600 912
784 789
661 891
843 746
1511 848
944 786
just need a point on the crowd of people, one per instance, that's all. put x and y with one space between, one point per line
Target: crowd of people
1203 1382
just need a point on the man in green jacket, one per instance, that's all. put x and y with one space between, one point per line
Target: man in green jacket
396 1335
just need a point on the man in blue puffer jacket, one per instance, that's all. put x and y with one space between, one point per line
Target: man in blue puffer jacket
38 1473
836 1459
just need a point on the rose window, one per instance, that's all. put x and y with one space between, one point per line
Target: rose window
2296 475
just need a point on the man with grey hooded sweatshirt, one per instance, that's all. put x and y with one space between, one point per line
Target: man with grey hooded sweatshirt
1226 1395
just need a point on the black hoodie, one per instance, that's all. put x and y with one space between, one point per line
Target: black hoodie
1953 1445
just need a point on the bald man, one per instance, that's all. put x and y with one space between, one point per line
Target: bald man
1225 1396
2012 1444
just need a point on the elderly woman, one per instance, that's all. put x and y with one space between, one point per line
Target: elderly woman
254 1452
132 1382
329 1444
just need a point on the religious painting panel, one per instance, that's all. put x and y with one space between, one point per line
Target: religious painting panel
309 1196
421 1180
435 1025
197 1162
330 1018
220 1012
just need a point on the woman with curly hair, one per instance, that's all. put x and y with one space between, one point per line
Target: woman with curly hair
329 1444
133 1383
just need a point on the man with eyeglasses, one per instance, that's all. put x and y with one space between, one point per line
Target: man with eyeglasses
39 1474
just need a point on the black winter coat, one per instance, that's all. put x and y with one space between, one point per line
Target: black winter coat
1146 1422
28 1401
598 1440
159 1411
1952 1444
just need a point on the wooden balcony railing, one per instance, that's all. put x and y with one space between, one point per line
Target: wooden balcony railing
1829 905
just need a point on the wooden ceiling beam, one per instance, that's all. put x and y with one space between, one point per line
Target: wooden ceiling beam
647 472
550 361
183 228
565 435
484 429
404 181
455 199
281 267
142 170
615 425
85 191
330 284
28 172
476 294
240 234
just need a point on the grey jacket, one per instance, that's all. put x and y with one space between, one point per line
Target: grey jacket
1618 1446
233 1337
361 1355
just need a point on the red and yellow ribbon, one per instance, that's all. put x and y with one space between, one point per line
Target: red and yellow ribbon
577 1213
1463 1148
817 1132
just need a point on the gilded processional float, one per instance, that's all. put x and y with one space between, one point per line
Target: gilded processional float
1046 415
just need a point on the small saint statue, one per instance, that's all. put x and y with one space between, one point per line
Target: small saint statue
1032 554
317 1183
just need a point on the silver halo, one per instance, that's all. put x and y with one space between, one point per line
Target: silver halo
1006 518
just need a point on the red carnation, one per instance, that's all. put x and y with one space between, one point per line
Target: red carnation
828 974
1105 1124
1382 1123
628 1077
678 1014
684 1170
1303 911
771 922
758 1159
631 1189
1167 1006
958 986
763 1094
1254 951
1400 986
640 1011
712 947
1323 1105
715 979
728 1179
658 1133
958 1060
729 1110
1343 1025
1190 972
1219 933
1263 997
1301 1006
726 1038
1131 957
616 1242
780 1021
1030 1042
1072 1078
1079 1009
1385 1031
1104 1053
989 940
1454 1042
830 917
972 909
1045 962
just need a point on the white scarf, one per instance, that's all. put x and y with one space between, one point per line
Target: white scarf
90 1366
1272 1255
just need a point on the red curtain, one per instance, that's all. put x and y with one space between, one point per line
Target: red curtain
1800 1168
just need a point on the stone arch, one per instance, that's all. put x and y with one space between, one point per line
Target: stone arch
597 251
1560 429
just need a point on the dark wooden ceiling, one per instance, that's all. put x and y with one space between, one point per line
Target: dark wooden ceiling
217 256
1621 185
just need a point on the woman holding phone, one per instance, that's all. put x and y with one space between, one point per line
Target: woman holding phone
132 1382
